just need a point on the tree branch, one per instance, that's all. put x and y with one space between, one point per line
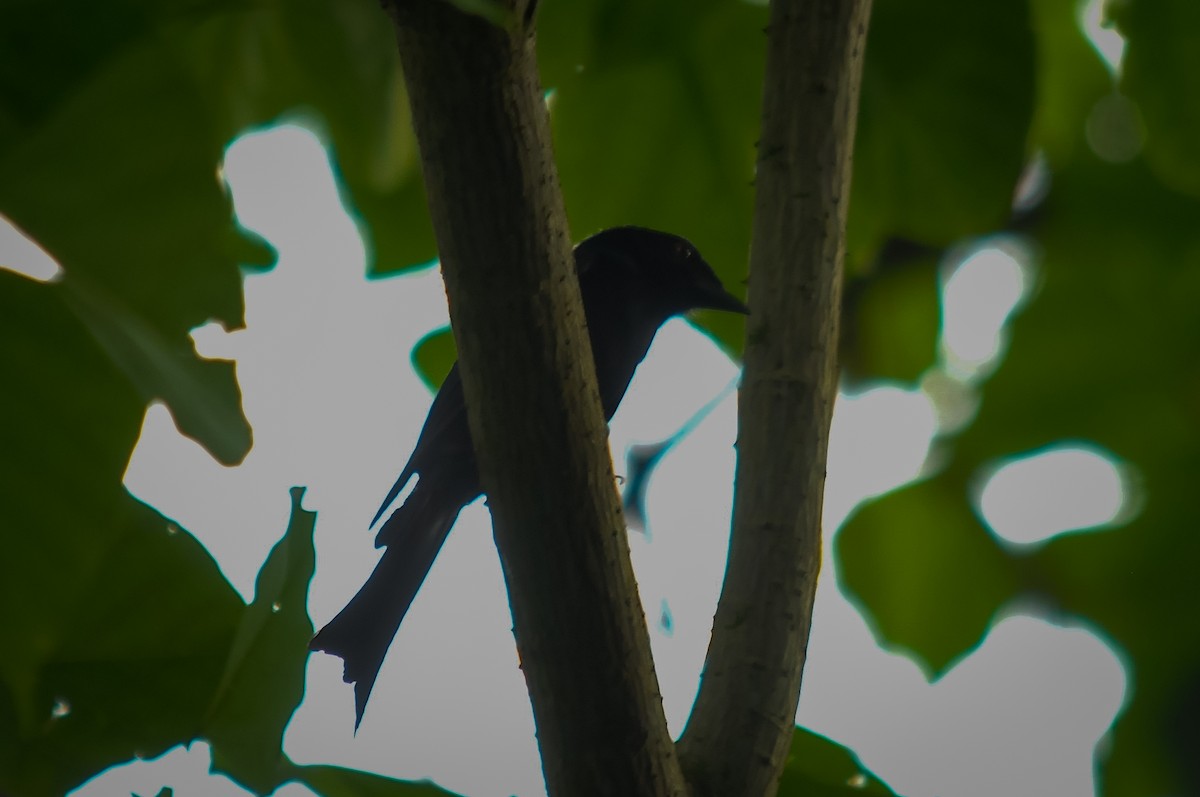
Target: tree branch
738 736
534 408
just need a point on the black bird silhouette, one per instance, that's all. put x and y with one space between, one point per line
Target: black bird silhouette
632 280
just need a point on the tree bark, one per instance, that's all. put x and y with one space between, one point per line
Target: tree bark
533 404
737 739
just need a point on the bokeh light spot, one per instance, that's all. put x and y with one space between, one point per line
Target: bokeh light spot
1035 497
21 254
978 297
1114 129
1107 40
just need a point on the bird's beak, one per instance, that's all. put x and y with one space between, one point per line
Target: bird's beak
721 300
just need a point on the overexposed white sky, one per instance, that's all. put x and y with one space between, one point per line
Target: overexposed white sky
335 406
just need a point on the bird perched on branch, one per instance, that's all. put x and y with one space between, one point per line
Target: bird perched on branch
632 280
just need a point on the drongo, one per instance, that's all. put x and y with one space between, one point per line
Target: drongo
632 280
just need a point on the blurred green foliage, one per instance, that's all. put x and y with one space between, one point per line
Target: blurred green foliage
263 679
433 356
122 636
818 767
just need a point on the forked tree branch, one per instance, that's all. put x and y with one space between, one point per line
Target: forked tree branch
737 739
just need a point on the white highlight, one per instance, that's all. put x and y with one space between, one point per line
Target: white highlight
184 769
21 254
1034 184
1036 497
1109 43
878 441
1022 714
978 297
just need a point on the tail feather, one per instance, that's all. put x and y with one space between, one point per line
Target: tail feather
362 632
400 484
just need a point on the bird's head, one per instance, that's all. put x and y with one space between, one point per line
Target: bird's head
667 267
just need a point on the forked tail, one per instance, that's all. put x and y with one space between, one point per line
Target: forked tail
362 632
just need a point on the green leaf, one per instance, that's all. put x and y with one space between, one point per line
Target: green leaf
947 96
891 322
1161 69
1104 353
1101 354
203 394
925 572
655 111
330 781
341 60
135 215
263 681
819 767
116 620
1071 78
433 356
334 67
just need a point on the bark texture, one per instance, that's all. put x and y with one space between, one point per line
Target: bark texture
738 736
534 408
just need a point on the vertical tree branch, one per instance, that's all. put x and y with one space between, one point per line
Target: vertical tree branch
534 408
738 736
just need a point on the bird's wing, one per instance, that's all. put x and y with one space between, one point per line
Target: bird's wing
405 475
445 415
